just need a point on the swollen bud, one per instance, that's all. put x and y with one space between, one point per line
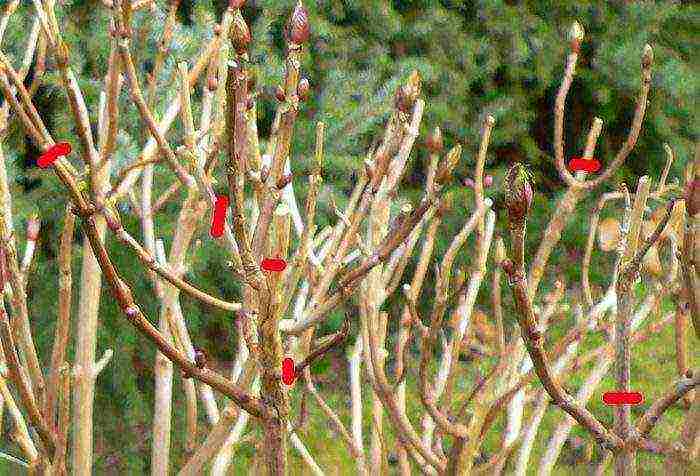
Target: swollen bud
239 33
647 56
252 79
200 358
406 95
303 89
576 34
488 181
33 227
518 192
508 266
500 254
692 197
298 26
235 4
279 94
434 142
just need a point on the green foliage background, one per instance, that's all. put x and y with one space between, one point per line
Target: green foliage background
475 58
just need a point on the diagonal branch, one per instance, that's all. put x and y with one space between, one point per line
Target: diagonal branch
323 349
654 412
534 341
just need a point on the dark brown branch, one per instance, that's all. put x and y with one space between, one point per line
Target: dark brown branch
323 349
534 341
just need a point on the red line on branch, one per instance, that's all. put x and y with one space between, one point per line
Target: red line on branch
275 265
622 398
581 164
47 159
219 216
288 373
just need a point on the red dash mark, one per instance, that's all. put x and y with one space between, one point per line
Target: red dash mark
622 398
288 372
217 223
580 164
49 157
276 265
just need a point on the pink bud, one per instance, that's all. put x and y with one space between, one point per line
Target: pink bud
488 181
467 182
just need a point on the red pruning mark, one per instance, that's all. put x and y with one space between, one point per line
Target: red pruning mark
288 372
276 265
217 222
622 398
49 157
580 164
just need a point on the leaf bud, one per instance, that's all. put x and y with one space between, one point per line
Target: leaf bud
239 34
200 358
434 142
692 198
576 34
303 89
298 26
33 227
647 56
518 192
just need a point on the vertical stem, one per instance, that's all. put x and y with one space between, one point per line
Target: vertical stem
65 286
86 326
624 459
86 338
